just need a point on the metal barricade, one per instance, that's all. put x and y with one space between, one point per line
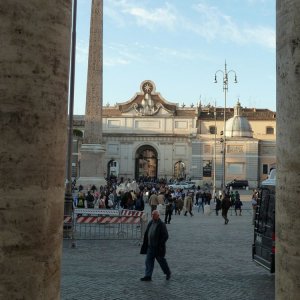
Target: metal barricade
94 224
68 227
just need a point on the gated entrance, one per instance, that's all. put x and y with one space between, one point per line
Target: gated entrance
146 162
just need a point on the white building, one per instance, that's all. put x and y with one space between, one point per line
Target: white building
149 136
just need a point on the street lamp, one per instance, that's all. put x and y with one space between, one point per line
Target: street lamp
215 117
225 74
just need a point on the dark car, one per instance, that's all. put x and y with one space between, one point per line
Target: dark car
263 248
237 184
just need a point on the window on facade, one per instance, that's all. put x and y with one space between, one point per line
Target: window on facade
235 168
207 149
75 146
74 170
265 169
212 129
207 168
269 130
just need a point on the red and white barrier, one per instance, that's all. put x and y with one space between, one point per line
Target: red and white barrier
108 220
105 216
67 219
86 220
106 223
130 220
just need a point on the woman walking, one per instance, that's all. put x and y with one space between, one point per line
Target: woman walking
188 204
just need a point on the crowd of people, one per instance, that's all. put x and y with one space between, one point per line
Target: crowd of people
134 195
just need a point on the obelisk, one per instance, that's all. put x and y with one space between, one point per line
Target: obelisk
91 163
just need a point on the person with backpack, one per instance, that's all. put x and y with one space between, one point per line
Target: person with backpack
232 198
80 202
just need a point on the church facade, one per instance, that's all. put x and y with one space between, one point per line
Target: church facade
149 137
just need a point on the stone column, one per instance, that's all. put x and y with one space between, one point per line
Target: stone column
91 163
34 76
287 278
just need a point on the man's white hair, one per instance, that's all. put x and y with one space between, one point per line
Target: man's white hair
156 211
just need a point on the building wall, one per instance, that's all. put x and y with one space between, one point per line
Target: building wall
169 149
185 136
251 153
147 125
259 129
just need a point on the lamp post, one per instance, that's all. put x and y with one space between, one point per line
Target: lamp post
225 74
215 117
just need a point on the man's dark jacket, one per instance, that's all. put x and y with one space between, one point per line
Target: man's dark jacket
161 236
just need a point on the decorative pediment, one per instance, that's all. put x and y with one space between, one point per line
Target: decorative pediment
147 107
147 102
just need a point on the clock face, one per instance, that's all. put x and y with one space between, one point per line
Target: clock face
147 87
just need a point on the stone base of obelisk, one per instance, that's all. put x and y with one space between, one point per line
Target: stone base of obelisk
91 166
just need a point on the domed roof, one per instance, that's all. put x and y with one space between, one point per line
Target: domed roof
238 126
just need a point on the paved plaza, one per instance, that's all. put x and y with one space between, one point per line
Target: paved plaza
208 260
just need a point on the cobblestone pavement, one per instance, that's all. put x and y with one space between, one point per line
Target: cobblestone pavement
208 260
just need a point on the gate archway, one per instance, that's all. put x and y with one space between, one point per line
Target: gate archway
112 169
179 170
146 162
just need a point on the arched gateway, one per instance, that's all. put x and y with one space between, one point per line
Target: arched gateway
146 162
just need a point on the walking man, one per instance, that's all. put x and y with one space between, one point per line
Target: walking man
218 205
201 201
169 207
225 204
154 246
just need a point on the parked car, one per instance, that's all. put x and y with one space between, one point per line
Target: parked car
182 185
237 184
263 248
191 184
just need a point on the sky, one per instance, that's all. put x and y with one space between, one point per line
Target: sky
180 45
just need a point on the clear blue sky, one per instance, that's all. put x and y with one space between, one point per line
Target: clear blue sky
180 44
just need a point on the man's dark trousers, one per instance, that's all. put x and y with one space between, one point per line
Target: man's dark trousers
150 258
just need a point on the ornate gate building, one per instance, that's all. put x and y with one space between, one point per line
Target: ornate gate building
149 137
